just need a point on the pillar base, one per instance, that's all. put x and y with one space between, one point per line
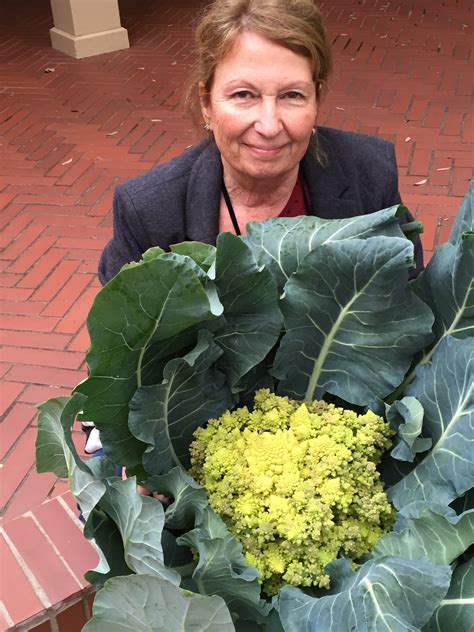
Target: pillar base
80 46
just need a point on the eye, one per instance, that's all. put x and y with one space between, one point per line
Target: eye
293 95
242 95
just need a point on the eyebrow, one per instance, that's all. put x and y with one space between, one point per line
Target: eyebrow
240 81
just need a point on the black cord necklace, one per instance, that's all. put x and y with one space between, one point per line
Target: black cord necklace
233 217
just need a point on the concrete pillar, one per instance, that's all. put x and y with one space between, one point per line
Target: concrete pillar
83 28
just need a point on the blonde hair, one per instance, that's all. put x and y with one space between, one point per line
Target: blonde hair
295 24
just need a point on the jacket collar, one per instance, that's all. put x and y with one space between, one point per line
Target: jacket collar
328 185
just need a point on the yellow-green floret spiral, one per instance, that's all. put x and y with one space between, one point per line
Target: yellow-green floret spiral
296 483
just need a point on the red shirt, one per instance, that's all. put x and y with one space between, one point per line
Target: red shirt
296 204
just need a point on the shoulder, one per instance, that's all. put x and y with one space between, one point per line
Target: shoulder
348 145
172 175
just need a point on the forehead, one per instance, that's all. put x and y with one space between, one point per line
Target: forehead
253 57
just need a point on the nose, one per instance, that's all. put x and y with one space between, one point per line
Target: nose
268 122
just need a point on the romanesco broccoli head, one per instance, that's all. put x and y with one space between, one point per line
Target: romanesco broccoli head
296 483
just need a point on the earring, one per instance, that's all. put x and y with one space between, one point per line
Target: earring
207 127
313 131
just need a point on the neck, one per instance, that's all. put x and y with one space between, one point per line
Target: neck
256 192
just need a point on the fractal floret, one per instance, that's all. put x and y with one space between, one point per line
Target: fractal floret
296 483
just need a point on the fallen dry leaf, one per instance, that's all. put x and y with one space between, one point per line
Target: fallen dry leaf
49 69
420 182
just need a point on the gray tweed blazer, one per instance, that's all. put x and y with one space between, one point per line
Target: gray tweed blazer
179 200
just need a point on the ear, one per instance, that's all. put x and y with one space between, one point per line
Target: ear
205 103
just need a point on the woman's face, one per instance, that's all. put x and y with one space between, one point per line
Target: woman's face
262 108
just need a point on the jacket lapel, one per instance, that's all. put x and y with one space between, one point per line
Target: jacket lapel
203 196
328 184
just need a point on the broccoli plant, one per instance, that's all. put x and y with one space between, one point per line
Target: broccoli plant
284 515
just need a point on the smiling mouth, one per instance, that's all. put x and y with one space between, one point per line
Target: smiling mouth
269 151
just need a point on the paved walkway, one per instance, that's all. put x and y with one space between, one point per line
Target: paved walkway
73 129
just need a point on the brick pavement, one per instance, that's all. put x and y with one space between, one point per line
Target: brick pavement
71 130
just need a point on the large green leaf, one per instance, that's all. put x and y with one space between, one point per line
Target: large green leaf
464 221
253 319
445 389
280 244
166 415
389 594
144 603
140 520
428 530
55 451
151 302
455 613
447 285
222 569
189 498
352 322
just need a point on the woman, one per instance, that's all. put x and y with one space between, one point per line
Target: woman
262 66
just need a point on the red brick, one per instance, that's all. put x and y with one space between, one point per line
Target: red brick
420 163
61 488
55 579
4 368
42 357
418 110
24 239
75 219
81 342
73 618
42 269
8 280
14 424
34 252
84 255
17 465
33 491
29 323
22 602
8 393
57 277
43 627
32 339
17 294
74 171
101 186
462 177
79 243
453 122
34 394
68 295
13 229
436 114
67 536
85 181
77 315
56 200
45 375
19 307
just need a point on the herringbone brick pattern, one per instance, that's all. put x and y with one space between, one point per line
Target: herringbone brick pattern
71 130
